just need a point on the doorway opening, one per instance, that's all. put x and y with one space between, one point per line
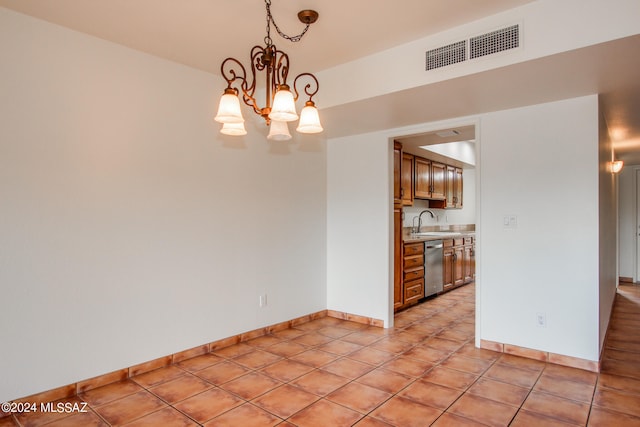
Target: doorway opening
434 198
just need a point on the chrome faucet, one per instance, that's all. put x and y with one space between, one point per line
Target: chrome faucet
420 218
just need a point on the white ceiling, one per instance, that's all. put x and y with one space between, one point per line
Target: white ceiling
201 33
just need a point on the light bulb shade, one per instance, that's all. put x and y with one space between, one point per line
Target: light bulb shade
284 106
279 131
229 108
616 166
234 129
309 119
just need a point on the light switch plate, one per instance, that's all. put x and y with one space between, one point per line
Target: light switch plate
510 221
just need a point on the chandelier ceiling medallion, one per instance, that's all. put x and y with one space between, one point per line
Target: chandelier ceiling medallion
279 107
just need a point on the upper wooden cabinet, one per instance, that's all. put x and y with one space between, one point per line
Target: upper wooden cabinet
422 178
397 168
438 181
454 187
406 180
458 191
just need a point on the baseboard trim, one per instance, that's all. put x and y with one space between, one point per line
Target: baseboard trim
625 279
543 356
71 390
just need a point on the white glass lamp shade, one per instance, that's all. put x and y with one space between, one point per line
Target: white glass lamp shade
229 108
279 131
284 106
234 129
309 119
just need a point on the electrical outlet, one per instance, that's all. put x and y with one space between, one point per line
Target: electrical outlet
263 300
541 320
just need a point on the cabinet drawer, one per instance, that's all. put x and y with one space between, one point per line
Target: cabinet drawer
413 275
413 261
457 242
413 290
447 243
468 240
414 249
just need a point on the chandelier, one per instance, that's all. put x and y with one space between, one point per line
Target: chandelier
279 107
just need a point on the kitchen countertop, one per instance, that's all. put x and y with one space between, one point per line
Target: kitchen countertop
414 238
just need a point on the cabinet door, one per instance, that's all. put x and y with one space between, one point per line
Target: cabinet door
398 290
447 268
458 265
450 185
406 179
438 181
422 178
457 192
397 167
469 264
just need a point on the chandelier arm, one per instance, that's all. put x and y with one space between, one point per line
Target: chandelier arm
281 69
310 89
230 74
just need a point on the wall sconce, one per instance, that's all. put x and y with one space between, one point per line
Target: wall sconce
616 166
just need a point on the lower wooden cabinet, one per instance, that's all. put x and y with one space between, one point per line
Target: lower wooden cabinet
459 265
469 260
412 288
459 262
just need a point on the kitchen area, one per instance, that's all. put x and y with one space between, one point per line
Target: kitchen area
434 214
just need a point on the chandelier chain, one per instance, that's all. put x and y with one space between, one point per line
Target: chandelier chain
270 20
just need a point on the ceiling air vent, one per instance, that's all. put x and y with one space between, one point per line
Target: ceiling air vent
446 55
495 41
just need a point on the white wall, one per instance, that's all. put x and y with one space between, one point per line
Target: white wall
548 27
608 229
128 229
627 227
540 163
359 225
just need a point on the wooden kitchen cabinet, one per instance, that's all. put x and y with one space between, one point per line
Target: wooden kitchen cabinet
406 179
458 265
412 289
458 262
422 178
457 193
397 225
398 299
438 181
447 265
397 170
469 260
453 187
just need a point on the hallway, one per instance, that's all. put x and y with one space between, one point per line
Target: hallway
330 372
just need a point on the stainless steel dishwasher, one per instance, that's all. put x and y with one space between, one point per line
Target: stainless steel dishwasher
433 277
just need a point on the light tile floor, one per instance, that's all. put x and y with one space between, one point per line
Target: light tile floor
330 372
